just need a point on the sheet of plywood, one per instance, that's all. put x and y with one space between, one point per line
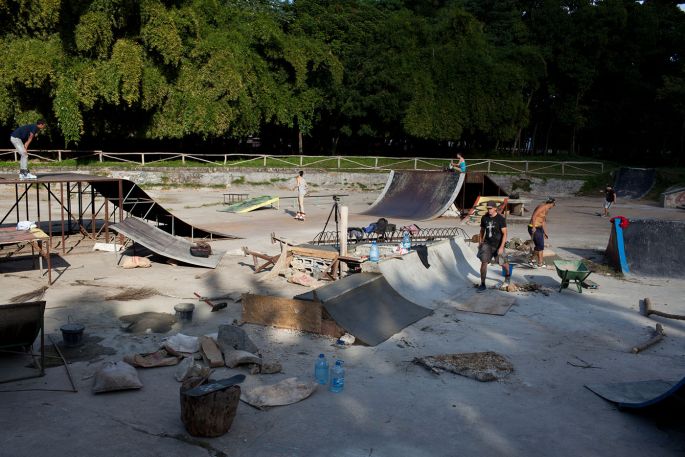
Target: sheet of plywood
282 312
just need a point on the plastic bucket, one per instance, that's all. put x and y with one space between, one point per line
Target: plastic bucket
184 311
511 269
72 334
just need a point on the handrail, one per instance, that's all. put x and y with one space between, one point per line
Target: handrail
337 162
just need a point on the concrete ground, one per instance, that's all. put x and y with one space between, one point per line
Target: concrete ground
557 343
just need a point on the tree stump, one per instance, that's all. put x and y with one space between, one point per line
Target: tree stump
208 415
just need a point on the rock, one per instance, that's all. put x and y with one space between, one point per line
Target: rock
234 357
234 337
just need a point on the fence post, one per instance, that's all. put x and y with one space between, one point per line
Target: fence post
100 155
338 162
416 163
526 167
489 161
183 159
264 161
300 161
225 160
142 158
562 168
59 155
375 163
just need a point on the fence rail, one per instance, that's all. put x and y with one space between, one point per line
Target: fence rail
341 163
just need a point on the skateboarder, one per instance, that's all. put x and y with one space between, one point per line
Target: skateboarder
301 187
609 199
537 228
21 139
493 235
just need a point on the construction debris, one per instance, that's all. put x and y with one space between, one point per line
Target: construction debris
657 336
646 310
482 366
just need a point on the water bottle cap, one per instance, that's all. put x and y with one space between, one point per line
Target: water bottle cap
339 362
321 356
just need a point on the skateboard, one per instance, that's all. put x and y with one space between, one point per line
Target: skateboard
215 386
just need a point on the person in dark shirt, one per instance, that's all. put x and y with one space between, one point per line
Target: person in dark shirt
609 199
21 138
493 235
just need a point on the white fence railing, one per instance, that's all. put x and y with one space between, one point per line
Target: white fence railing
351 163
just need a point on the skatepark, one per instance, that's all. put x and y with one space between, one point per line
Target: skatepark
558 342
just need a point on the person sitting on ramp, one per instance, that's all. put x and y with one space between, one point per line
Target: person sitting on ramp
493 235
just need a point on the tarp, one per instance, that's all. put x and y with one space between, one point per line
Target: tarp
366 306
417 195
162 243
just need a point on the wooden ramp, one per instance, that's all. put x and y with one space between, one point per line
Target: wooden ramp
251 204
162 243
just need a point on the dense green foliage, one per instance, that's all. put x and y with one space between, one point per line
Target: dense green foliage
593 77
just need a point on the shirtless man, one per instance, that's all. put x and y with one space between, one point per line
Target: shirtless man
537 228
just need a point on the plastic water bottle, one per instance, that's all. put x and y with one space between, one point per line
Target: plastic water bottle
337 377
321 370
374 255
406 241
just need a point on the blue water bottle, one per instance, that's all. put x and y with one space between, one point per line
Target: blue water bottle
337 377
406 241
374 255
321 370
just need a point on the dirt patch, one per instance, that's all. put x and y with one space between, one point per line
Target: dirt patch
483 366
147 322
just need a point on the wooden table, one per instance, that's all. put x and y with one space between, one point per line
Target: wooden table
38 239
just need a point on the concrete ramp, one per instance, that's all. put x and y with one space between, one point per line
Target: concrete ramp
648 247
634 183
639 394
251 204
417 195
449 279
366 306
162 243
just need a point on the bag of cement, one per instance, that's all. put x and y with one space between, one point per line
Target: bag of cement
286 392
181 343
129 262
188 368
113 376
235 357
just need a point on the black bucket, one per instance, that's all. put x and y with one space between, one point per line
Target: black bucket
184 311
72 334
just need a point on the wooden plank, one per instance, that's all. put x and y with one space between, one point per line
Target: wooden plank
282 312
310 252
212 352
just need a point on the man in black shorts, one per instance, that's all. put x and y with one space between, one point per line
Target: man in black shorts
493 235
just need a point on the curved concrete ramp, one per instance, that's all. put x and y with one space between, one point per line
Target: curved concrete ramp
634 183
639 394
417 195
648 247
449 280
162 243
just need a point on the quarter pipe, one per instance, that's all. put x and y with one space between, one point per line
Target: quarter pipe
647 247
634 183
417 195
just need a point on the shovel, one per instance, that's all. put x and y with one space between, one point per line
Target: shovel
215 307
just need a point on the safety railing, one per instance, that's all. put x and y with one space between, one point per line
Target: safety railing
338 163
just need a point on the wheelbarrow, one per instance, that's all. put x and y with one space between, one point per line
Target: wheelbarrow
572 270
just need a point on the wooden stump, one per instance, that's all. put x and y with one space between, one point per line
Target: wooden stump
209 415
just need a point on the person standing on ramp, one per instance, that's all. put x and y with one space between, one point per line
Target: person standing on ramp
21 138
493 235
537 228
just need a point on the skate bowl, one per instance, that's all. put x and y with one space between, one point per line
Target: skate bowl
647 247
448 281
634 183
417 195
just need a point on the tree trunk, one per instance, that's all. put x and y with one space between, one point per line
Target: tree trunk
211 414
